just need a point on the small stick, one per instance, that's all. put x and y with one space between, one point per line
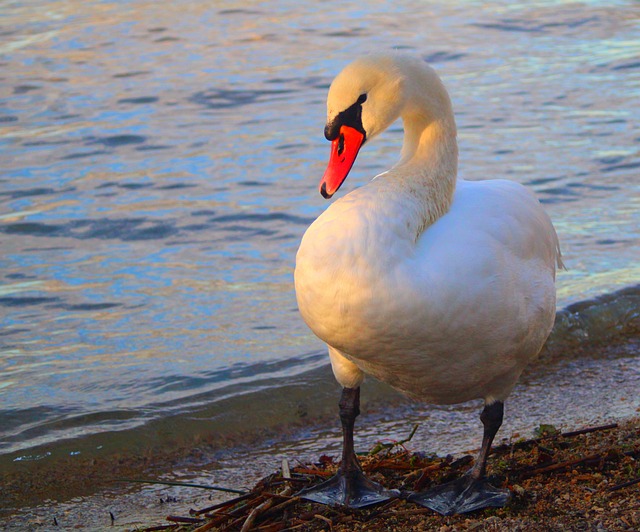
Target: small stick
418 511
282 505
382 510
533 441
624 484
380 446
266 505
391 464
218 518
272 527
233 525
223 504
325 519
183 484
290 479
314 472
561 465
189 520
424 476
231 511
207 526
286 494
254 513
589 429
286 471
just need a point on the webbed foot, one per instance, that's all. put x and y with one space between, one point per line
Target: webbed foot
462 495
351 489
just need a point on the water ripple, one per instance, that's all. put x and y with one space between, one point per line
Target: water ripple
160 167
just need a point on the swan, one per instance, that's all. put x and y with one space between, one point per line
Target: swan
441 287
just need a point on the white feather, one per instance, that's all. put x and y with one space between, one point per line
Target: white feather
441 287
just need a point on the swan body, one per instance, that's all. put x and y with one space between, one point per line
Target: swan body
452 316
441 287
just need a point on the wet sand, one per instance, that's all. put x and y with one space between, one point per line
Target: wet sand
594 385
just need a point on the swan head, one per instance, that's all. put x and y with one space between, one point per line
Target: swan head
364 99
369 95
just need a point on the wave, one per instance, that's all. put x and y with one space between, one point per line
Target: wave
291 394
607 318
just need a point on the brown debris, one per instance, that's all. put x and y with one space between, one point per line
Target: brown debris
588 479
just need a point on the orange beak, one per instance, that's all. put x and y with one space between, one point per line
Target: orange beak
344 150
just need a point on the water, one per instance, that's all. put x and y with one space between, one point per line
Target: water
159 167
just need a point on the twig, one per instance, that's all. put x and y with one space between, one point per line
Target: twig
219 517
561 465
282 505
325 519
381 510
182 484
160 527
534 441
624 484
273 527
390 463
424 476
589 429
206 526
254 513
189 520
313 472
380 446
286 494
286 471
417 511
303 480
231 502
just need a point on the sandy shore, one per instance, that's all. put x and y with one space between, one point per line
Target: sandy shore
578 480
84 491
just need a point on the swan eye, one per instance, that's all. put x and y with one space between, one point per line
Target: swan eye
362 98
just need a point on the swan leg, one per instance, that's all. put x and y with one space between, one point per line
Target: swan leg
472 491
349 487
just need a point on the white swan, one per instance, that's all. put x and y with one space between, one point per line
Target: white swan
441 287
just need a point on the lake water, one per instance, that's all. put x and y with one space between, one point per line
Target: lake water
159 164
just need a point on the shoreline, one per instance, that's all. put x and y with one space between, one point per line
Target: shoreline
587 479
40 489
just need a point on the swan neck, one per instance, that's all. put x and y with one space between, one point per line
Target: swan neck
428 140
429 165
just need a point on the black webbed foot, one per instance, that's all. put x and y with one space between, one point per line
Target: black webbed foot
351 489
465 494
